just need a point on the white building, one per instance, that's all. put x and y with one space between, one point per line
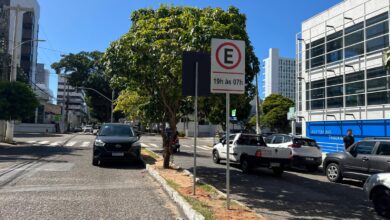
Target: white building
41 87
22 16
279 75
73 104
342 82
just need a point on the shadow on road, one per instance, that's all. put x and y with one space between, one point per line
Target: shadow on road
292 196
33 152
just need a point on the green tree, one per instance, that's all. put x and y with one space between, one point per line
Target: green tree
17 100
147 59
85 69
275 108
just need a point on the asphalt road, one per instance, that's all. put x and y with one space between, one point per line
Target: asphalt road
53 178
294 195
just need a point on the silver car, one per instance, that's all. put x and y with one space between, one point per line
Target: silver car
377 189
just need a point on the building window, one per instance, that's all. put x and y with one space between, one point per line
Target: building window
355 100
334 80
377 84
354 88
377 98
376 72
317 93
377 30
317 84
335 91
377 43
356 76
354 50
354 38
335 102
317 104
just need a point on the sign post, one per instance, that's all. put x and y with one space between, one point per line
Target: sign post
196 68
227 76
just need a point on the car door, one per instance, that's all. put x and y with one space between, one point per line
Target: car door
380 160
357 159
223 151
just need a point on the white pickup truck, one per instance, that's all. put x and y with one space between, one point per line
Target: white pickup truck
250 151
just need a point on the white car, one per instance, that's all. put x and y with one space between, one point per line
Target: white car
251 151
88 129
305 151
377 189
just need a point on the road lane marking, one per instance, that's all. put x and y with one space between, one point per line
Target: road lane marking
85 144
207 147
153 145
203 148
70 144
57 143
31 142
43 142
187 146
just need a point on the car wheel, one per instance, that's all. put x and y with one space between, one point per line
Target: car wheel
312 168
278 171
95 162
381 200
333 173
245 165
216 157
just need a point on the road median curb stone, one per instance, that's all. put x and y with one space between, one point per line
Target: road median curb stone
190 213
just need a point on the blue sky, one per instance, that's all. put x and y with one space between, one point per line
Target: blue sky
71 26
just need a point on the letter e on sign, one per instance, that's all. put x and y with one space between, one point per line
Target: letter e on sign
227 66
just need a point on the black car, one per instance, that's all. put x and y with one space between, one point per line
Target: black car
116 142
359 161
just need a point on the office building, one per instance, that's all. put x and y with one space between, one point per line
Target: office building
279 75
342 81
26 14
73 104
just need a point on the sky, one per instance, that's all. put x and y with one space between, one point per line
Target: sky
71 26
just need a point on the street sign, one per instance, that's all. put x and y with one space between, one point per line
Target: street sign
227 66
189 73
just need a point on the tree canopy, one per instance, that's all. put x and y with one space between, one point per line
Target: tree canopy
17 100
275 108
85 69
148 59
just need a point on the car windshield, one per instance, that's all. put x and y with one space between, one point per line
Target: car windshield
116 130
306 142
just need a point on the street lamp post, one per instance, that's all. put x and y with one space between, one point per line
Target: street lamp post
110 100
10 124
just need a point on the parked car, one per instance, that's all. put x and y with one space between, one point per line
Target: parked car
251 151
377 189
88 129
116 142
306 152
362 159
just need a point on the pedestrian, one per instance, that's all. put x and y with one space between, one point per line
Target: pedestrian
349 139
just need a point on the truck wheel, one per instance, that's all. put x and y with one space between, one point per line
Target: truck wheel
333 173
245 165
381 201
278 171
216 157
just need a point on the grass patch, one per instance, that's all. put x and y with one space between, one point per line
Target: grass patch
207 188
174 185
200 207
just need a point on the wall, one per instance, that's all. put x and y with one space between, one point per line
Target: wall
34 128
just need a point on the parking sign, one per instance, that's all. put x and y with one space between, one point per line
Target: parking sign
227 66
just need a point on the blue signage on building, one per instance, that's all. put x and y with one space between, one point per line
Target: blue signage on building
329 134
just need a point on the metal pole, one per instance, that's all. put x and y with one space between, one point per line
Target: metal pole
112 106
257 107
227 151
196 126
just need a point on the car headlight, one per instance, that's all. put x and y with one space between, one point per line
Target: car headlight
99 143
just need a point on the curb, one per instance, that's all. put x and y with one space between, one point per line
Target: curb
189 212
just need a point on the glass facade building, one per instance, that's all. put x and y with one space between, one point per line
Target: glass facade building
341 71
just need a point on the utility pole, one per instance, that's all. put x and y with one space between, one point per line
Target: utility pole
112 106
258 130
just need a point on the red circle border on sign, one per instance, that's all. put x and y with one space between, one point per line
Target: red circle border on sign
235 47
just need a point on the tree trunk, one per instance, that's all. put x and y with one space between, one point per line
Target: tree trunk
167 142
